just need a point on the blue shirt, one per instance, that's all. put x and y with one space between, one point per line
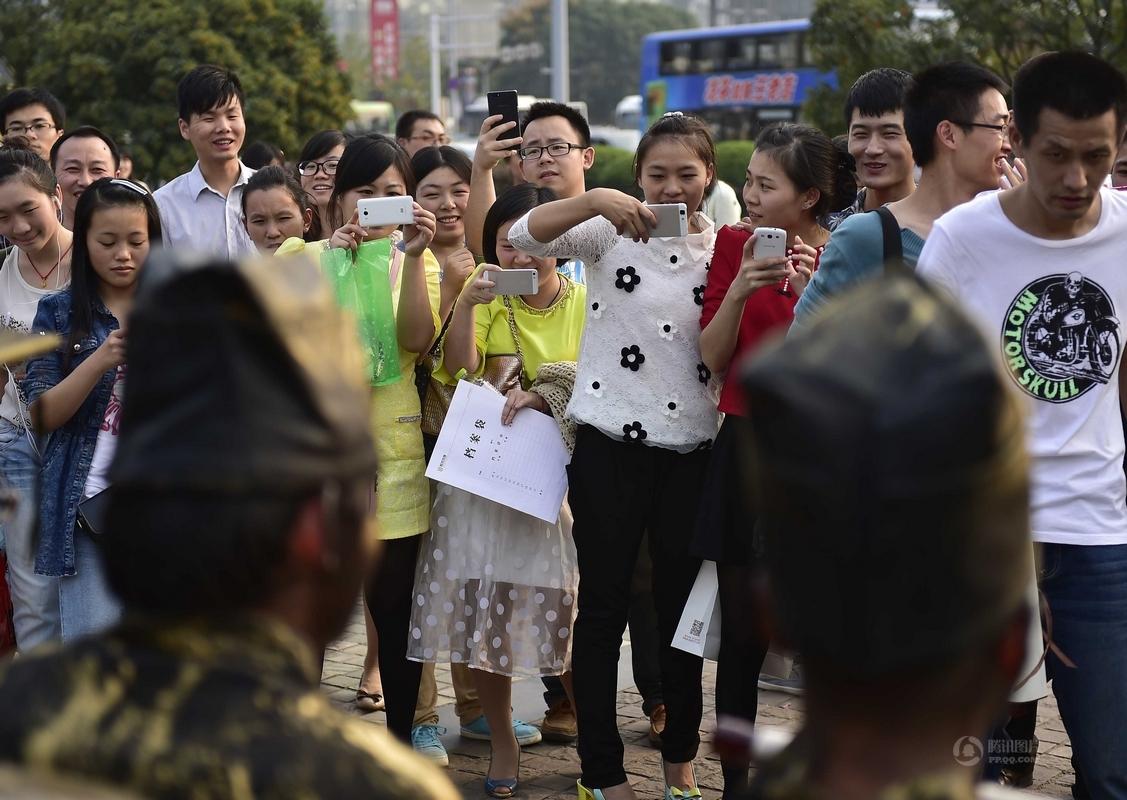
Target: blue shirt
574 269
70 449
854 253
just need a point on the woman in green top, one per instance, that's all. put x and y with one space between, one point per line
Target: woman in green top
496 588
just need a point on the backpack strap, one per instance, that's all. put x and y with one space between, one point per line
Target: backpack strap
893 248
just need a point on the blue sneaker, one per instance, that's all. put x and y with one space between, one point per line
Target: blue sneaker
479 729
424 738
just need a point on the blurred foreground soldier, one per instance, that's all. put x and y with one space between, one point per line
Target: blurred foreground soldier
237 539
892 490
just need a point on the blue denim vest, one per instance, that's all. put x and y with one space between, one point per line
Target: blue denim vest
69 450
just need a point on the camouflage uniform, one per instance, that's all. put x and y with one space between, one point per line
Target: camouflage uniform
198 711
787 777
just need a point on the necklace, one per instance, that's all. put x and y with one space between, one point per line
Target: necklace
43 277
558 290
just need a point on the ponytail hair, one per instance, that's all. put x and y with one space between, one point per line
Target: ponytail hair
811 160
19 161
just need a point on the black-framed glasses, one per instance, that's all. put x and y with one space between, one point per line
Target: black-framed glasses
35 127
555 150
998 129
310 168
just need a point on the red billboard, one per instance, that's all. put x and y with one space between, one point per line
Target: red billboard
384 28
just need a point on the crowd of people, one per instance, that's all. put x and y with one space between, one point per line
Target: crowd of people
193 468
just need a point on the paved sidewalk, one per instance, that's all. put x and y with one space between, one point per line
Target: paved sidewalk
550 770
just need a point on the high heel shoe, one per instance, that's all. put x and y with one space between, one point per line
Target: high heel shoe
676 793
502 788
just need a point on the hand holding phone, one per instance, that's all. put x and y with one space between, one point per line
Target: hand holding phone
516 281
672 220
376 212
504 104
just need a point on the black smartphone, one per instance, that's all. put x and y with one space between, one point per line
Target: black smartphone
505 104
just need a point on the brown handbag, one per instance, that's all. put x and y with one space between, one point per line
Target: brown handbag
503 371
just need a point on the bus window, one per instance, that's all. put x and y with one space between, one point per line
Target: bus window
711 58
676 58
778 52
741 53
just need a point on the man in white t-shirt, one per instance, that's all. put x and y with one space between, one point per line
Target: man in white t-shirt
1040 269
201 210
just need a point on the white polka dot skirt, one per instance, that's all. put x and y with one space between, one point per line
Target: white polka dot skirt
494 588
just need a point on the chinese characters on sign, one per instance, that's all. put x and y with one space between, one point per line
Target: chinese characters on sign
774 88
520 465
384 22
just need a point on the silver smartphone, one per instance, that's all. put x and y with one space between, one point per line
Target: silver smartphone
770 243
672 220
376 212
514 281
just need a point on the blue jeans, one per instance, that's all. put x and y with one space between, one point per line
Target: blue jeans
1086 589
86 604
35 598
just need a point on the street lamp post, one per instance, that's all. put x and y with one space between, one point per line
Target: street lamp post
561 61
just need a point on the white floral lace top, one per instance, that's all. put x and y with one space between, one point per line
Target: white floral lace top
641 377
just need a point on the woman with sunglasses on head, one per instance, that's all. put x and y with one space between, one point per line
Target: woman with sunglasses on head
317 169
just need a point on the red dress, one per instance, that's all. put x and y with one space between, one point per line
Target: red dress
768 312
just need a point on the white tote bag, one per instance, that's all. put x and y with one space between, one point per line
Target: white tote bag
698 632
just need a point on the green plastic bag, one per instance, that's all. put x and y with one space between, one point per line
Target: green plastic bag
363 287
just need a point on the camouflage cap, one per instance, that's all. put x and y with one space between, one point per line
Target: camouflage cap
241 376
891 481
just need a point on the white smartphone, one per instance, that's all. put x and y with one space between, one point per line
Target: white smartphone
514 281
770 243
375 212
672 220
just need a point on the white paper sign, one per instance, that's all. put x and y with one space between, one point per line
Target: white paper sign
522 466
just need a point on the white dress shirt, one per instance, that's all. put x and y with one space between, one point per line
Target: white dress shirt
196 217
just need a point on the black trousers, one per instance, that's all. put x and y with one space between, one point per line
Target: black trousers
645 641
388 594
742 651
618 492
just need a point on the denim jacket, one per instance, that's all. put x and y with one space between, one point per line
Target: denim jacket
70 449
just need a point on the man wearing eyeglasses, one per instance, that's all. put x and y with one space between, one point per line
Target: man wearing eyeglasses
417 129
554 153
34 113
955 118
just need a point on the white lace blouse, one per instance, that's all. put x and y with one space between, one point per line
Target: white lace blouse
640 376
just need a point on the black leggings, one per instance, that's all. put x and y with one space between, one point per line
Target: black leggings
388 594
741 656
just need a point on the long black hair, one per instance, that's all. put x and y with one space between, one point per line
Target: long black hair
102 193
514 203
18 160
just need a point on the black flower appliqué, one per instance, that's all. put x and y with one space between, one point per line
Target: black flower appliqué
698 295
634 432
632 357
704 374
628 278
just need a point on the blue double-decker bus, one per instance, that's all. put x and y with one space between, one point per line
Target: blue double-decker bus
739 78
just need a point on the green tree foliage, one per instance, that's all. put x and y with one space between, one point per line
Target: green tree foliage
852 38
855 37
412 88
116 63
605 42
1004 35
17 49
